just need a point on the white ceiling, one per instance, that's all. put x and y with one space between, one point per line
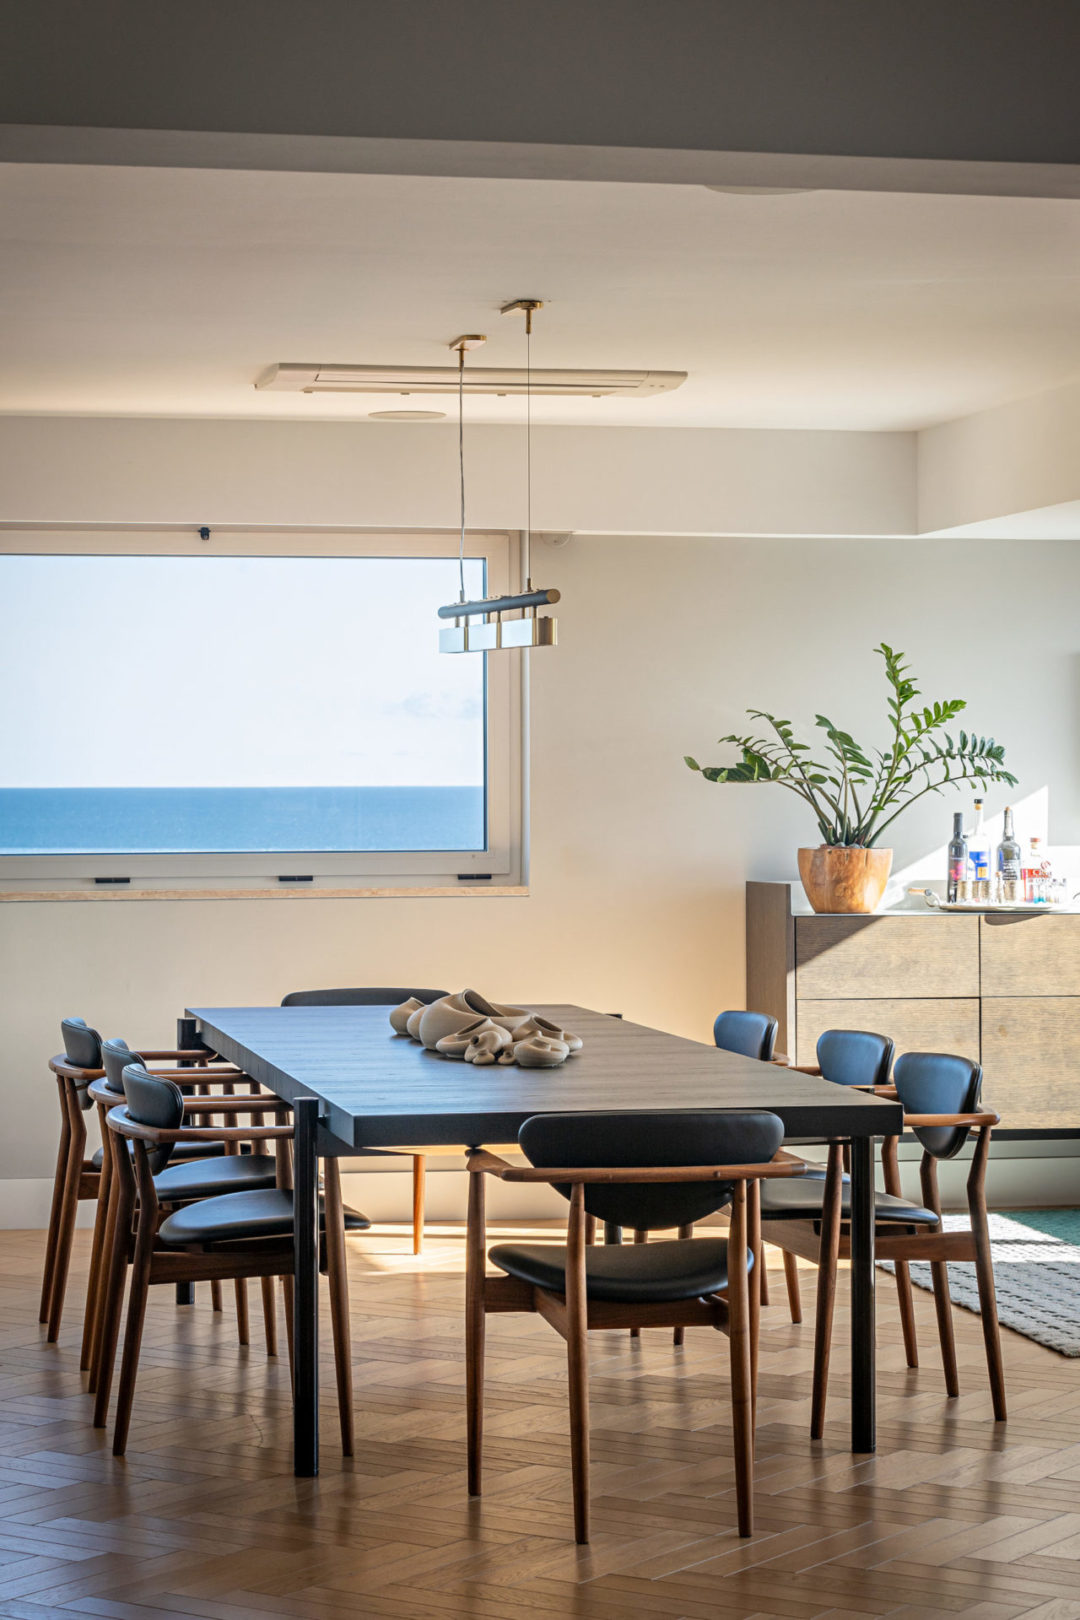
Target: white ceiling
166 292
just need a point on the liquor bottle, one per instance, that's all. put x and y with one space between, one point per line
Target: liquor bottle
1008 856
1032 873
958 854
978 843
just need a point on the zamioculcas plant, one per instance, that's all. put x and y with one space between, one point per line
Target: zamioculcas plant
856 794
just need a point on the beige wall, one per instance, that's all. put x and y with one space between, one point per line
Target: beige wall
637 865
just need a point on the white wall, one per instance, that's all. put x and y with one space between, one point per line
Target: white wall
636 901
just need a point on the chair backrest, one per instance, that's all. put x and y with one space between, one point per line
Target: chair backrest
751 1034
115 1056
938 1083
82 1045
651 1139
854 1057
358 998
153 1100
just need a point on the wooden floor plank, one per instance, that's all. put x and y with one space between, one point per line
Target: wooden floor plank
954 1518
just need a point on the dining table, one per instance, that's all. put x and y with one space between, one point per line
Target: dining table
355 1086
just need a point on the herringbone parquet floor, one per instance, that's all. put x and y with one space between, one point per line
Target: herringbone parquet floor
953 1516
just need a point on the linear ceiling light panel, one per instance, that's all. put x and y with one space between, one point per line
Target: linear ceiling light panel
317 379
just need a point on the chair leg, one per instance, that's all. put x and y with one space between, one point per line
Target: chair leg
215 1295
419 1168
112 1204
739 1344
984 1276
129 1367
287 1295
763 1281
112 1303
577 1362
939 1272
243 1330
475 1325
63 1156
639 1237
890 1164
679 1334
69 1208
338 1279
828 1259
939 1275
756 1249
590 1231
269 1306
98 1262
794 1295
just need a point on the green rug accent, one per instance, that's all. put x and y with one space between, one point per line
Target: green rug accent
1063 1224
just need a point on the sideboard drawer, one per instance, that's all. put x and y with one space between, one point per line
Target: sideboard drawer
894 956
1031 955
1031 1060
928 1025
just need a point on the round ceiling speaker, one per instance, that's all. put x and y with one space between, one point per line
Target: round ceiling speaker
407 416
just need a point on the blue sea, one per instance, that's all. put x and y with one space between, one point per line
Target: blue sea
128 821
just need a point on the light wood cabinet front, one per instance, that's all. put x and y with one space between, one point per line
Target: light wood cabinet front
893 956
926 1025
1031 1061
1031 955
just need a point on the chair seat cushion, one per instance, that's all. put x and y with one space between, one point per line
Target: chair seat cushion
207 1178
802 1197
238 1216
182 1152
632 1274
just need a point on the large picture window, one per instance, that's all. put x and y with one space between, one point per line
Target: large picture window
241 710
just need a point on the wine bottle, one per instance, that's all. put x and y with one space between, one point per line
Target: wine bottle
1032 873
958 854
1008 852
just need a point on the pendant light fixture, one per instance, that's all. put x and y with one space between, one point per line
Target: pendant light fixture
481 626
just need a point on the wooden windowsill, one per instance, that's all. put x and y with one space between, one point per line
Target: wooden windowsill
463 891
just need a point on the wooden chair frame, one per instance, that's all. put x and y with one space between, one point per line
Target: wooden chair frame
573 1315
76 1177
104 1098
826 1241
266 1258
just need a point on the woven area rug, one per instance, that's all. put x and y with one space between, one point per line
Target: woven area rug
1036 1274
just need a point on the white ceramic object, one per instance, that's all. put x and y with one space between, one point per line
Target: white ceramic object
535 1025
480 1035
486 1044
412 1027
450 1014
399 1018
540 1052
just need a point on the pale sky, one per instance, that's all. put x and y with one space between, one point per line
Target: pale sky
235 672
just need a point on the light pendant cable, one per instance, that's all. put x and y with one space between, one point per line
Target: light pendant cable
461 466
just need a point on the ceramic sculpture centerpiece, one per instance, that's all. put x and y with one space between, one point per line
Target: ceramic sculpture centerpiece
468 1027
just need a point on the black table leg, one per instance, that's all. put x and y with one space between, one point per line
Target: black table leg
612 1231
306 1286
863 1437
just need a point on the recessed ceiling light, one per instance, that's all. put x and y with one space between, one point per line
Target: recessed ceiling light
407 416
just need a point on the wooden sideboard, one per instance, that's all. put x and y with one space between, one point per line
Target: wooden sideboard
1004 989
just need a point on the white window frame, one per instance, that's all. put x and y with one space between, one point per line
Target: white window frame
502 861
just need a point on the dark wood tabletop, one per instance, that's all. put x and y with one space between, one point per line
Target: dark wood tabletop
383 1090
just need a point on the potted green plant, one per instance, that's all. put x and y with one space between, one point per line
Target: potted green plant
857 794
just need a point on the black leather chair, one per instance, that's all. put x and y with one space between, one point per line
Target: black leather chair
77 1178
197 1169
378 998
647 1170
940 1095
237 1234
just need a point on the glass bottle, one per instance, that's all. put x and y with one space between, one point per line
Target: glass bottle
1033 873
978 857
1009 859
958 854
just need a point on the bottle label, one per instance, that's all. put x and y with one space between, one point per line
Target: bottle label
980 864
956 870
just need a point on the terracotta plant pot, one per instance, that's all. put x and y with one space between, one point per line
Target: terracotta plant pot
843 879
